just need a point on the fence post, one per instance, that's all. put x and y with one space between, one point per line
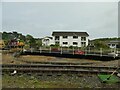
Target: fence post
111 50
78 48
115 52
50 50
61 50
40 50
100 51
86 52
89 50
68 49
73 50
31 49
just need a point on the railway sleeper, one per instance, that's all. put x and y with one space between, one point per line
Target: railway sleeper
49 74
80 75
59 74
40 74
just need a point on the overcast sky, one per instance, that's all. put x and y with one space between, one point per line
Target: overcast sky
99 19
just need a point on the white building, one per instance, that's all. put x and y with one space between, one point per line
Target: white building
47 41
113 44
67 39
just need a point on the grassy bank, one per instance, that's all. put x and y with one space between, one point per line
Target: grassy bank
25 81
64 81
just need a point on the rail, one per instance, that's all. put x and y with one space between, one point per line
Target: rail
57 68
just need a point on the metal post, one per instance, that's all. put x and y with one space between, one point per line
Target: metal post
100 51
61 51
86 52
111 50
78 48
31 50
50 50
40 50
68 49
89 50
73 50
114 52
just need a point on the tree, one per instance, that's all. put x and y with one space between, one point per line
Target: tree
38 43
4 35
100 44
30 40
21 37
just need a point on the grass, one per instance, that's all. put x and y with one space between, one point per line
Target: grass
112 79
25 81
64 81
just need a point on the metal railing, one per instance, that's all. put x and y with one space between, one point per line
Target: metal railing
62 50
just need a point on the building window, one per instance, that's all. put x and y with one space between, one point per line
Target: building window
65 43
83 38
57 43
65 36
75 37
113 44
75 43
46 40
83 44
57 37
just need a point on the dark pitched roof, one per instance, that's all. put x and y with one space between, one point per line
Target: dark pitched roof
70 34
48 37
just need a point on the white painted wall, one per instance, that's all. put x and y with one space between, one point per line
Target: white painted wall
111 46
47 41
70 41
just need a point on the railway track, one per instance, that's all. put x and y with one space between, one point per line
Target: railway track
56 68
53 62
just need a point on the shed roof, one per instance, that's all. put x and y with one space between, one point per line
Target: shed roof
115 42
